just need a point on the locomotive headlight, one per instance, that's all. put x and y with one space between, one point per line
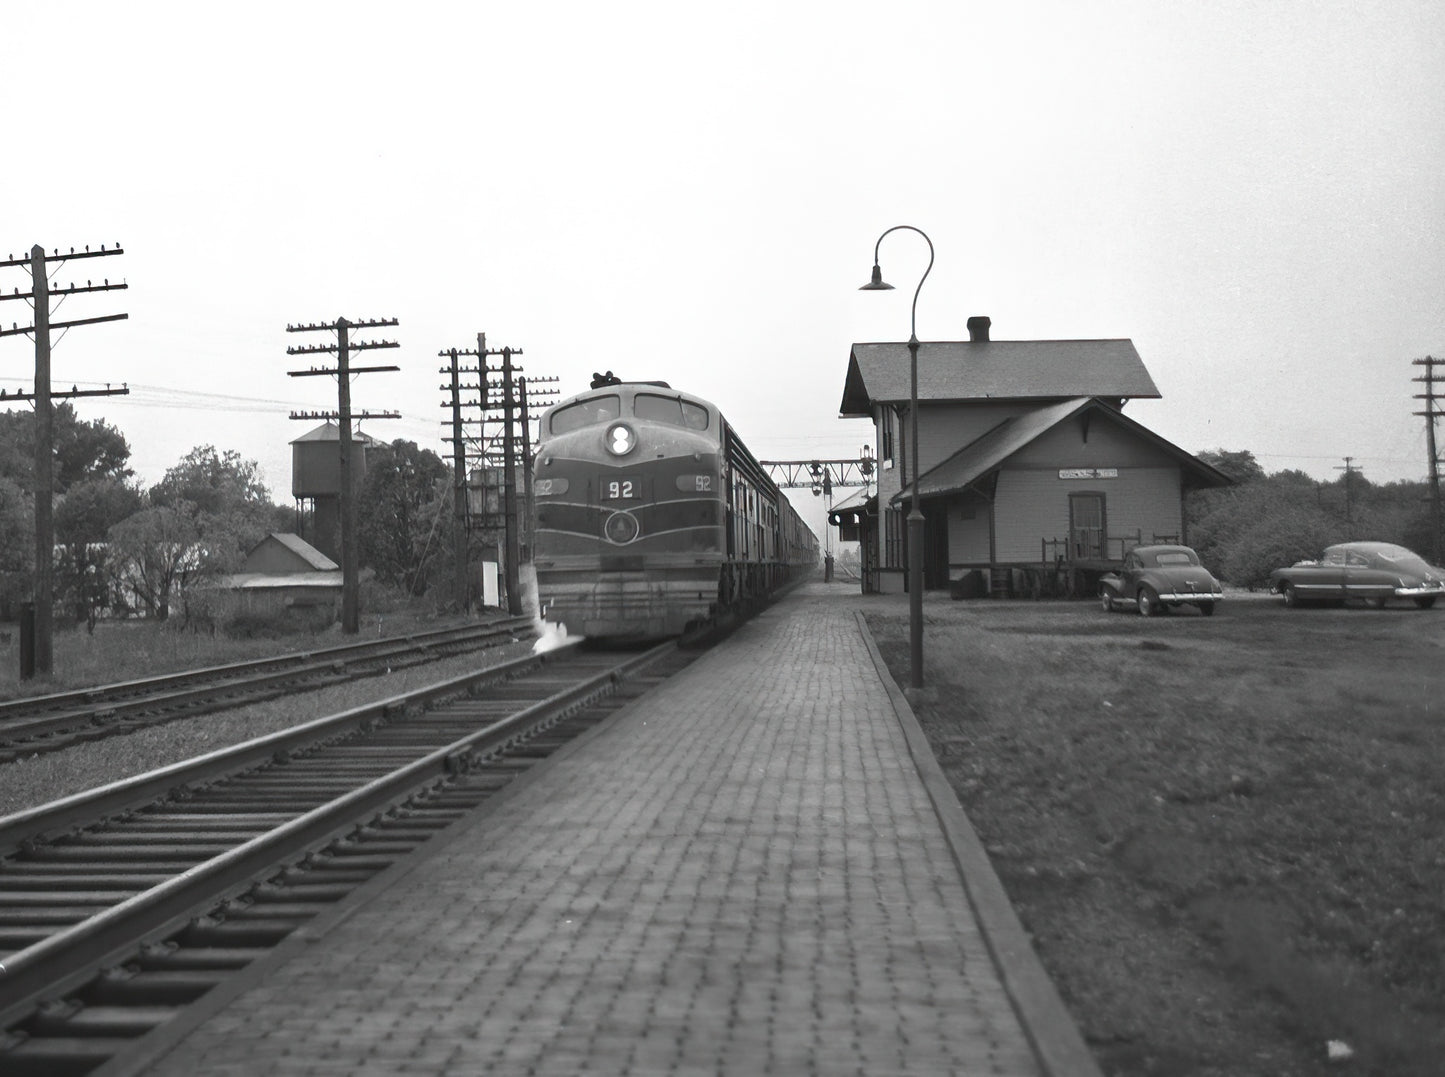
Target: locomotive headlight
620 439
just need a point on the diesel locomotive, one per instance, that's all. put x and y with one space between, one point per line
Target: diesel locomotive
652 515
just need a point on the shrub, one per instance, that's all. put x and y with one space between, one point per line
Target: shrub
1274 542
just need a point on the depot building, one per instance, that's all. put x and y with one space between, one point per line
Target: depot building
1031 477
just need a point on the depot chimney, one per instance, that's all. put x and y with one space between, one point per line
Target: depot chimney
978 328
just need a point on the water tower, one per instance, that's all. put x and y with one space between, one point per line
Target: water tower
316 483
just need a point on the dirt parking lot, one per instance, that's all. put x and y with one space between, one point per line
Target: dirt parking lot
1226 835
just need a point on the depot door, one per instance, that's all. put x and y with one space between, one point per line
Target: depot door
1086 527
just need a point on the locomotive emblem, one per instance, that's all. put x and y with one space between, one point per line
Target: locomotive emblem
620 528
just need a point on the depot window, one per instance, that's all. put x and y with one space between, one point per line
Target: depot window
596 409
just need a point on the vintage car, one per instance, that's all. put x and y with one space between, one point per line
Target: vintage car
1373 571
1155 578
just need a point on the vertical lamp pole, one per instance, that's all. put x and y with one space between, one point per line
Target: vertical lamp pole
915 513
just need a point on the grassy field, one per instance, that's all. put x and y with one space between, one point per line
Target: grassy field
122 650
1226 835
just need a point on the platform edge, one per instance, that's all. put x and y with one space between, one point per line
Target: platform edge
1051 1029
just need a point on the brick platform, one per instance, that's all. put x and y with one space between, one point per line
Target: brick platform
741 873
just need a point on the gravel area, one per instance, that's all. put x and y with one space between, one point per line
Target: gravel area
43 778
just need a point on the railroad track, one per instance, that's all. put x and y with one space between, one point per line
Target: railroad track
121 906
49 723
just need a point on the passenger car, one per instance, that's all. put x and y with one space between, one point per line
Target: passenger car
1155 578
1373 571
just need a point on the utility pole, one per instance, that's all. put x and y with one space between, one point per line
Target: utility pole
1350 472
39 655
528 505
343 373
1430 396
509 488
504 400
459 457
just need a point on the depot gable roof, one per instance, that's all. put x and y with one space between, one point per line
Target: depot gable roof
971 371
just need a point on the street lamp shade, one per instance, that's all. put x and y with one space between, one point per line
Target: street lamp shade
877 284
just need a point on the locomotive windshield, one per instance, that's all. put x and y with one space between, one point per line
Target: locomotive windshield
668 409
595 409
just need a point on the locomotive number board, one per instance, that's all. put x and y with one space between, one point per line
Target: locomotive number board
621 489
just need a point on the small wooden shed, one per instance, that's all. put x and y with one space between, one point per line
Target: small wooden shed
283 578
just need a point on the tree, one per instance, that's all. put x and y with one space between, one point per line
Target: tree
83 519
227 503
83 449
152 555
90 508
215 483
1291 533
398 511
1241 466
17 546
1246 531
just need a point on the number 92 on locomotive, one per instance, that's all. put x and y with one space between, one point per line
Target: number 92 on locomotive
621 489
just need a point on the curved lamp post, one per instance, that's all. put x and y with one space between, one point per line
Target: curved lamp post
915 513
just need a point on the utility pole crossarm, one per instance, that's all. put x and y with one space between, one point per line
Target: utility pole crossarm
107 391
363 323
70 290
318 371
352 346
56 256
331 416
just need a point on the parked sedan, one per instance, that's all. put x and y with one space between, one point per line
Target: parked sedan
1155 578
1373 571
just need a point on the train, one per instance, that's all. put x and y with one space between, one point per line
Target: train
652 517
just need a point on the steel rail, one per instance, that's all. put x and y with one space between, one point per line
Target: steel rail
53 731
62 816
67 959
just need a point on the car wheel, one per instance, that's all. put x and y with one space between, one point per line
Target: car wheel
1425 601
1149 604
1206 608
1106 600
1290 598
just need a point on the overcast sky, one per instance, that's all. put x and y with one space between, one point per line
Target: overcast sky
1254 193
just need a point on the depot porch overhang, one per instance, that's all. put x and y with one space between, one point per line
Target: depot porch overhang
966 468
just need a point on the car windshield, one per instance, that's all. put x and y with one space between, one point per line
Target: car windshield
595 409
672 410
